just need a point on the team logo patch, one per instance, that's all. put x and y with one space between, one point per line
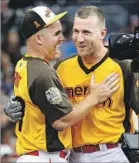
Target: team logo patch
47 13
53 96
37 25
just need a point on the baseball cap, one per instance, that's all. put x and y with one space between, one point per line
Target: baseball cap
37 18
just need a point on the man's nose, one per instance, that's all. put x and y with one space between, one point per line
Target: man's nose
61 38
80 37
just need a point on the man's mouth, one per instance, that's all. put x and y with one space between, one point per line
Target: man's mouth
57 47
81 46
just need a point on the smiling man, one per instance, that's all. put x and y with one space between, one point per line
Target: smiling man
95 138
44 133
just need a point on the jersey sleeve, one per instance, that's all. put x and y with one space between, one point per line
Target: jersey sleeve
48 94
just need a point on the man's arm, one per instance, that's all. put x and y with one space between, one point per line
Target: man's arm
99 93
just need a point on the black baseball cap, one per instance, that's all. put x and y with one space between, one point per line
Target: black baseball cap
37 18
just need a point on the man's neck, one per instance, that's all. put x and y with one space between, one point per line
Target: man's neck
36 53
96 57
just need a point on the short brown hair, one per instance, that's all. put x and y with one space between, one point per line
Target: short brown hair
86 11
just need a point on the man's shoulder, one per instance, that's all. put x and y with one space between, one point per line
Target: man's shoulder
45 70
124 64
64 61
19 62
39 70
39 65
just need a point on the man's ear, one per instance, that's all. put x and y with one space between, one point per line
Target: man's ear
103 33
38 39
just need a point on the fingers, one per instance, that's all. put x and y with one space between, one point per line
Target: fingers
17 116
12 98
112 82
16 109
111 85
110 78
114 89
14 105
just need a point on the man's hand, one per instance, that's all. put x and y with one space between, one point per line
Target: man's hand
14 109
104 90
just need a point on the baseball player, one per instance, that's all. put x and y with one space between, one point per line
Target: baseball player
95 138
44 133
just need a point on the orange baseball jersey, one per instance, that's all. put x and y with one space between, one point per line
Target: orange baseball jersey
38 85
104 123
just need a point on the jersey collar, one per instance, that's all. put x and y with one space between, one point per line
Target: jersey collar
28 57
85 69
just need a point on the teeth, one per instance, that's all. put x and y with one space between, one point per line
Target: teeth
81 46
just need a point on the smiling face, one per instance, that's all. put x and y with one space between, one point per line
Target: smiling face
51 38
87 35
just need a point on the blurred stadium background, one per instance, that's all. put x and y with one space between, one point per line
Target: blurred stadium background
121 16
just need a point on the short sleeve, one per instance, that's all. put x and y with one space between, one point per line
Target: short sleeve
48 94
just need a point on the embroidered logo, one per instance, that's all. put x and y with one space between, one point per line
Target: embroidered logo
47 13
53 96
37 25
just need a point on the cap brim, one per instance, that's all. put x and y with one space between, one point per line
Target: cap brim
57 17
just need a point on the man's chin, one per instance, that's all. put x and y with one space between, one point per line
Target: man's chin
82 54
56 56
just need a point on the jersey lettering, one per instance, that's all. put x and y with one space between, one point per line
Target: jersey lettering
77 91
105 104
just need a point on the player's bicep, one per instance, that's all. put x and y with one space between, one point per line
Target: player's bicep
47 93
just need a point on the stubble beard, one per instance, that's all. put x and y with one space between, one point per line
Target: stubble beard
86 53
